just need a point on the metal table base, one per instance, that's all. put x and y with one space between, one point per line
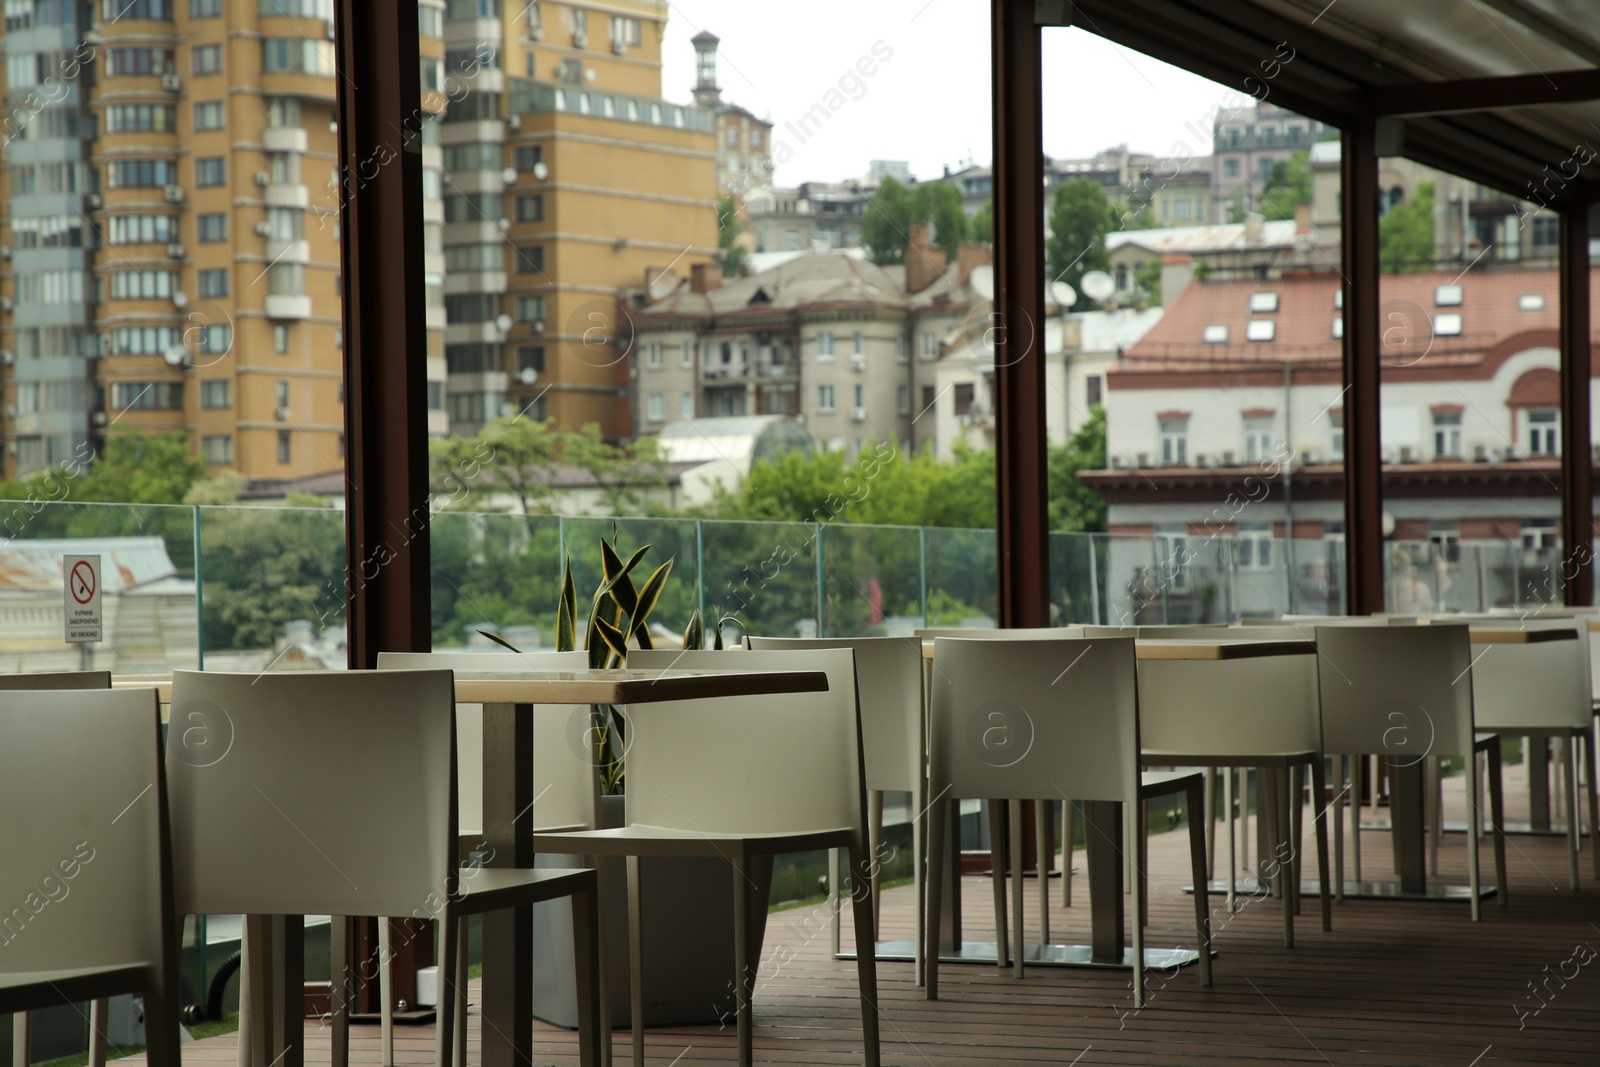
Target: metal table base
1041 955
1252 887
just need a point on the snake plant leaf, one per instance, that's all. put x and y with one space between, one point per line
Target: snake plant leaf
640 630
619 583
613 637
502 642
567 613
694 634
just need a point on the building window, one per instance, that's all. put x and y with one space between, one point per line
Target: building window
530 209
214 283
755 139
147 396
141 118
1544 432
652 354
857 343
210 170
930 346
207 58
283 446
963 394
900 355
1230 168
825 398
295 55
133 10
282 407
280 338
686 406
530 363
1257 437
625 31
216 394
1336 440
1175 442
139 62
527 157
530 309
657 407
216 339
1091 390
824 346
138 173
1255 546
210 228
1446 538
530 259
902 399
217 448
1447 435
208 115
1540 533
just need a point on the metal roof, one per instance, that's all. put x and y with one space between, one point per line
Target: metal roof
127 565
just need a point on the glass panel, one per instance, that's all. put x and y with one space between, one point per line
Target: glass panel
871 580
962 578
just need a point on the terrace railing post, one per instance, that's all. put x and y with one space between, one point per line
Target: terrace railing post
1018 316
1577 481
1363 471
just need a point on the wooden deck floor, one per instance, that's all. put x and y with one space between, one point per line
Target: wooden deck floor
1395 984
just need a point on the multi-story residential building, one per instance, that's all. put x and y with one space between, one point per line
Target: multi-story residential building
171 229
744 142
173 240
1245 145
844 345
815 215
566 178
1252 248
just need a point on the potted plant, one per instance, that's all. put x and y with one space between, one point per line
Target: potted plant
686 903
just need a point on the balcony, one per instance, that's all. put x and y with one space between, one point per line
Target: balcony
478 281
293 251
286 306
284 195
284 139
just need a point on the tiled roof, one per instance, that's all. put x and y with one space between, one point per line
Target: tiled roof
1223 237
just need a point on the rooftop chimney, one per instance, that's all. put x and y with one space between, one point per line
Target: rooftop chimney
972 257
1302 218
1252 228
1177 271
705 277
925 263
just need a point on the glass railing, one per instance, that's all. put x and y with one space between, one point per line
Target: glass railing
264 588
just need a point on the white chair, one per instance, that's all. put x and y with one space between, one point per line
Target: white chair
338 796
894 739
22 1024
568 796
85 769
737 778
1390 691
1041 720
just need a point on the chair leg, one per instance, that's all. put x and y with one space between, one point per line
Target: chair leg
21 1039
1282 862
386 1002
1594 803
255 990
98 1011
1136 887
1296 775
1319 826
593 1036
1497 816
1202 877
1474 805
1042 814
875 832
1069 846
1233 854
1569 764
161 1037
919 878
835 897
460 990
340 988
1210 806
1141 850
997 872
935 891
444 1032
636 961
1357 766
1434 773
867 967
1016 888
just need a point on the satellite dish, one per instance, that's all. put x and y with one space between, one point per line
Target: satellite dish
982 281
180 299
508 408
175 355
663 284
541 171
503 322
1097 285
528 376
1063 294
509 175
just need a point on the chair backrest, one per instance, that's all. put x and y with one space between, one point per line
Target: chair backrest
566 773
1392 690
57 680
766 764
889 681
1237 707
336 796
85 881
1541 685
1199 632
1022 633
1034 720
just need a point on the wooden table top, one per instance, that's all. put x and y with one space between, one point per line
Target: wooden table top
1493 635
592 687
1159 649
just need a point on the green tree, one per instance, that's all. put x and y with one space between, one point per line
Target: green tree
1080 218
940 203
1073 505
140 468
1405 234
730 227
887 225
980 227
1288 185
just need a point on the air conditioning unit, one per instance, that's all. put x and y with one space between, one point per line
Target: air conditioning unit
1230 459
1142 459
175 250
858 415
535 33
580 39
171 82
1310 457
1408 454
99 418
5 251
618 48
174 194
5 303
1388 456
1116 462
105 344
858 363
93 200
180 299
7 356
513 122
1205 461
263 179
1480 453
281 413
262 229
92 37
538 326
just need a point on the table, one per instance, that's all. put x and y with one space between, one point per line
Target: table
508 698
1103 838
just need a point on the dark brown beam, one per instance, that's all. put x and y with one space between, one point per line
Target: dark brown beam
1485 94
1577 360
1363 488
1020 473
385 331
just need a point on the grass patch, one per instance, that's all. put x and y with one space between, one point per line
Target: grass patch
225 1025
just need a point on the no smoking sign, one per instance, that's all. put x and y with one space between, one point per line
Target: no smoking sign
80 586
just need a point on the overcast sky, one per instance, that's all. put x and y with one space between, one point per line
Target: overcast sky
928 103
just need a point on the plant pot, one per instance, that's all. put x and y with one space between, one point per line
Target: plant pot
687 907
